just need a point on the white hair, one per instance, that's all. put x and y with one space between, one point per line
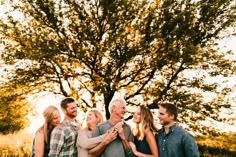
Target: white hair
116 102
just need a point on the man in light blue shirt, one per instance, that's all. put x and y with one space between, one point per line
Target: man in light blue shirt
172 140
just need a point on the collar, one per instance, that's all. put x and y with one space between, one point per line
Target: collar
75 123
171 128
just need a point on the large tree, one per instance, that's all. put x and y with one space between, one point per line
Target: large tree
91 49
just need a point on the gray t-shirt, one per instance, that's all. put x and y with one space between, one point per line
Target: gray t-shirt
115 148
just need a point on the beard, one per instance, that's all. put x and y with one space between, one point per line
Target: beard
71 114
165 122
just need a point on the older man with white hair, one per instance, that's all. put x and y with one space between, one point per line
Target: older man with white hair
119 147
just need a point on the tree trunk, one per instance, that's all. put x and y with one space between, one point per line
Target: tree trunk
107 99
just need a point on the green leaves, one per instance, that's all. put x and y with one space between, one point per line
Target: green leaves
102 47
14 109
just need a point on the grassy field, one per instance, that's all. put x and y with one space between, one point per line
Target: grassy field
19 145
217 146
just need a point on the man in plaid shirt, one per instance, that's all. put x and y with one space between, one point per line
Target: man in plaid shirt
63 137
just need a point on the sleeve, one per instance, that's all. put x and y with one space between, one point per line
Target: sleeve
56 142
96 132
85 142
190 146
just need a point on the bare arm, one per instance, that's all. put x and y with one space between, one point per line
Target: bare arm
151 143
39 144
125 142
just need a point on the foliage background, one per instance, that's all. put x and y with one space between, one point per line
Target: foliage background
152 51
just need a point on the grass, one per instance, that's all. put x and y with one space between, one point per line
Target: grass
16 145
217 146
19 145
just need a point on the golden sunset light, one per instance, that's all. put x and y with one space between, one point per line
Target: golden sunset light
118 78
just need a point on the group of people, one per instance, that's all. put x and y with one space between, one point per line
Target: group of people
113 137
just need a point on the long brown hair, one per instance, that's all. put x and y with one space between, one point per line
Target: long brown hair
146 123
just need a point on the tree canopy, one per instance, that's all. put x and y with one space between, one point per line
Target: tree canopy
91 49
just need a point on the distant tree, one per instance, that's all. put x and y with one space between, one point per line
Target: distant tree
14 113
92 49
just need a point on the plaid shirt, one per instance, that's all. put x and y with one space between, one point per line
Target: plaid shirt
63 140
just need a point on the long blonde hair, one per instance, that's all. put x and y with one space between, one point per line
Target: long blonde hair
146 123
97 114
48 115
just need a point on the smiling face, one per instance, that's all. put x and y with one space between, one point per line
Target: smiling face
120 110
117 108
71 110
52 116
91 118
164 117
56 118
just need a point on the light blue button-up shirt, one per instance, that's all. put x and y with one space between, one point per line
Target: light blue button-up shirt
177 143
